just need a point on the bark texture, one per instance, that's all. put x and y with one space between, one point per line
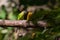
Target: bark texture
23 23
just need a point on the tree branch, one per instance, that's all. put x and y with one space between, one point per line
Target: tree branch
23 23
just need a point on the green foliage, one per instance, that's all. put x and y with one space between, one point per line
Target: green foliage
2 14
12 16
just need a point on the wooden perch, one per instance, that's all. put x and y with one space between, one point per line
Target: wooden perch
23 23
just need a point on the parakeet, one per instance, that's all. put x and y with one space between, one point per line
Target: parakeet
21 15
29 15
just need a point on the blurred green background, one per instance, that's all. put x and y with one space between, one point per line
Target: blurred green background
51 16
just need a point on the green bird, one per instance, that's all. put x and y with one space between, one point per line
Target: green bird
21 15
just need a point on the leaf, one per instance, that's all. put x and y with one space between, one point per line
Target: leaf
12 16
2 14
57 19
